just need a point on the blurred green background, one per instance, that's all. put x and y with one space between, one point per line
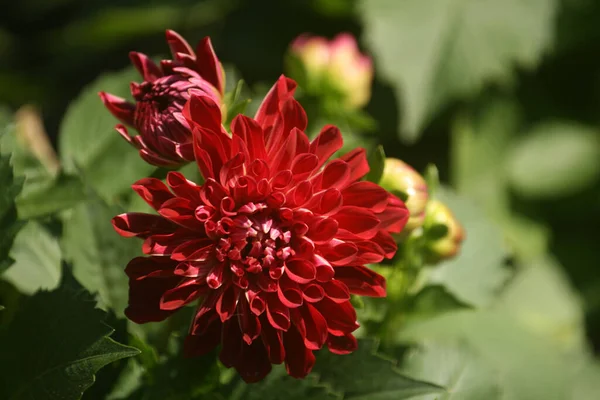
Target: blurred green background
503 96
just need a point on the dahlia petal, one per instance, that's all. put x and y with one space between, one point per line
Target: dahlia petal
177 297
249 322
357 221
282 155
298 359
326 143
141 225
341 317
232 170
203 111
300 194
122 130
164 245
177 44
386 242
282 90
145 296
300 271
252 134
324 230
303 165
214 280
362 281
199 345
342 344
289 292
341 253
231 343
357 160
313 293
315 327
277 314
294 117
254 363
257 302
227 303
368 253
145 66
336 174
153 191
119 107
367 195
336 291
273 342
214 148
155 159
149 267
183 187
205 314
194 269
325 271
395 216
182 212
193 250
326 202
208 64
212 192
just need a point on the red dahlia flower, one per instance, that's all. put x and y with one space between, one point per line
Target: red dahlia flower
165 138
271 246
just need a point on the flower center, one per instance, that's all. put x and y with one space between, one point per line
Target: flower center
254 244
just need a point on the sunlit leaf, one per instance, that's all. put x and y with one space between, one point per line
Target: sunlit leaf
477 273
455 367
37 260
98 254
555 159
441 50
89 144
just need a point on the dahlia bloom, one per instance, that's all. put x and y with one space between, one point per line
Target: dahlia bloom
165 137
270 247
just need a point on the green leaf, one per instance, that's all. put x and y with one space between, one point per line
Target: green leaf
89 144
456 367
376 164
37 260
479 145
532 335
279 385
477 273
236 101
542 301
9 190
433 300
55 345
441 50
50 197
364 375
555 159
98 254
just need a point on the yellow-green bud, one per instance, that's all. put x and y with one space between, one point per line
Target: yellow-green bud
447 246
401 179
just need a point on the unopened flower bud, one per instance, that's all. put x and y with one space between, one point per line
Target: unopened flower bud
444 231
402 180
336 65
